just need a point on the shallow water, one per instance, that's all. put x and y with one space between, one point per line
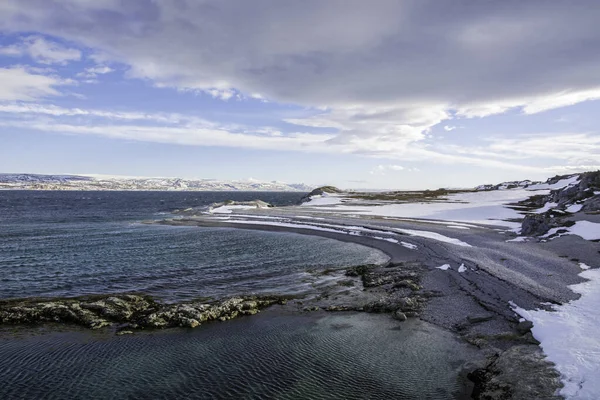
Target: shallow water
74 243
293 356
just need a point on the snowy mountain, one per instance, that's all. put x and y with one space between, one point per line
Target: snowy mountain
80 182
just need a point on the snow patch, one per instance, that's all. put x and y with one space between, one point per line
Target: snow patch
325 199
586 229
563 183
518 239
434 236
547 206
444 267
573 208
409 245
568 337
462 268
584 266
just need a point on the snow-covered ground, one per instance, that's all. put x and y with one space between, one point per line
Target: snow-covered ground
558 185
325 199
569 337
357 230
586 229
487 207
228 209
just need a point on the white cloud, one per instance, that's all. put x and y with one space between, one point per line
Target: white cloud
42 51
449 128
383 169
92 73
18 83
356 59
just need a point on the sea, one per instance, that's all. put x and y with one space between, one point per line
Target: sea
64 243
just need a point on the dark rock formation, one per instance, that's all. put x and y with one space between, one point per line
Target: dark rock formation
520 373
319 192
536 224
586 192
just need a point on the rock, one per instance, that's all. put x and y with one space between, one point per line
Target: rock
536 224
137 312
476 319
524 326
399 315
520 373
319 192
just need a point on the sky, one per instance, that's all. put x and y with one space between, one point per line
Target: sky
389 94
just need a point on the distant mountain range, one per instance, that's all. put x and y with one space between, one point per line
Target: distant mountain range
81 182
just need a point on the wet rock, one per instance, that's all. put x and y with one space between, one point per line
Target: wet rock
520 373
524 326
399 315
135 311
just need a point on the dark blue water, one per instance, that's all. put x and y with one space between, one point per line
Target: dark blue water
74 243
268 356
71 243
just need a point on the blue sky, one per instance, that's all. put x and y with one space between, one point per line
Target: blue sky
391 94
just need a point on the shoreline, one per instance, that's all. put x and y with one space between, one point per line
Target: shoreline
513 355
444 298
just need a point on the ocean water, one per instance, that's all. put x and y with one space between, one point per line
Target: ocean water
75 243
267 356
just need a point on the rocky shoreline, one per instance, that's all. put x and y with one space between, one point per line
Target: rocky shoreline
128 312
394 288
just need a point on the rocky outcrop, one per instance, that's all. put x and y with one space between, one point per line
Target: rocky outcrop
584 196
520 373
399 284
319 192
129 311
585 189
537 224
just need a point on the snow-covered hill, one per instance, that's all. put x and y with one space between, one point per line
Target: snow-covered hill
79 182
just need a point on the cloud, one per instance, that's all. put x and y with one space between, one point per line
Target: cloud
92 73
18 83
385 72
449 128
508 153
42 51
383 169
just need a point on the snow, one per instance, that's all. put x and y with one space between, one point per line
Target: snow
326 199
568 336
558 185
586 229
462 268
475 207
584 266
457 227
346 229
409 245
444 267
547 206
286 224
434 236
231 208
518 239
573 208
